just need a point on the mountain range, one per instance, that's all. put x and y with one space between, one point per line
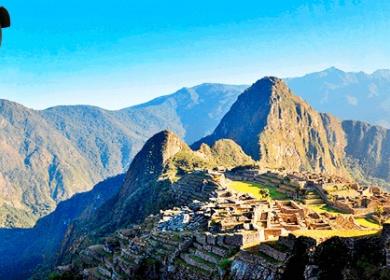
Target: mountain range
267 123
347 95
48 156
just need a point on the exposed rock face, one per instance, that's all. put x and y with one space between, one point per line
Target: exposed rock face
369 147
282 131
142 188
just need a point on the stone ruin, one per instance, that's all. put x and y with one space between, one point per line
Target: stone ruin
214 228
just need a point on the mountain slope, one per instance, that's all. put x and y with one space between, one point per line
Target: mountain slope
200 108
369 147
347 95
47 156
282 131
38 166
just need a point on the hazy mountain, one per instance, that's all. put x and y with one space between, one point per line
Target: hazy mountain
49 155
280 130
347 95
198 109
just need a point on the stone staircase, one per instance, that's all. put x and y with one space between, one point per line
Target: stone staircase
312 198
206 254
196 186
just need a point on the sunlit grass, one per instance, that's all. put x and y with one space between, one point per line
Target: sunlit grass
254 189
367 223
325 234
322 208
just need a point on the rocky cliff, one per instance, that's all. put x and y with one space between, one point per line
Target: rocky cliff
369 148
280 130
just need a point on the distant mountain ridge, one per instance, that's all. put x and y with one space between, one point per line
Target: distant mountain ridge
347 95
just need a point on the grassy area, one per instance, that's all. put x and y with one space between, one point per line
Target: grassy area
322 208
256 190
318 234
367 223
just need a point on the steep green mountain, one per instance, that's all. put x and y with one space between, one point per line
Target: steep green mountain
347 95
164 165
47 156
282 131
163 160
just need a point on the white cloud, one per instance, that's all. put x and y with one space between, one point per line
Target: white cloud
352 100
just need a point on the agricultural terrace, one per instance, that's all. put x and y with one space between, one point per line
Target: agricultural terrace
257 190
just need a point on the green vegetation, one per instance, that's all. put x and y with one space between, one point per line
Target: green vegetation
322 208
225 264
257 190
200 260
368 223
379 212
151 261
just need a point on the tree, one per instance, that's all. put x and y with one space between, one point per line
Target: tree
379 212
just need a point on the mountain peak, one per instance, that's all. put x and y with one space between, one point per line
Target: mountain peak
149 163
279 129
161 147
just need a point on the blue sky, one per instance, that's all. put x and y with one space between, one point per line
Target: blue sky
122 52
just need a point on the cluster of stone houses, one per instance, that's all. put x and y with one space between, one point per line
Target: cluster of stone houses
311 188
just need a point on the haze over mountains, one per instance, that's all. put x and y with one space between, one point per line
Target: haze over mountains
347 95
49 155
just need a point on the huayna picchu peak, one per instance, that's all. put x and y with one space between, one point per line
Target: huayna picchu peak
281 130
